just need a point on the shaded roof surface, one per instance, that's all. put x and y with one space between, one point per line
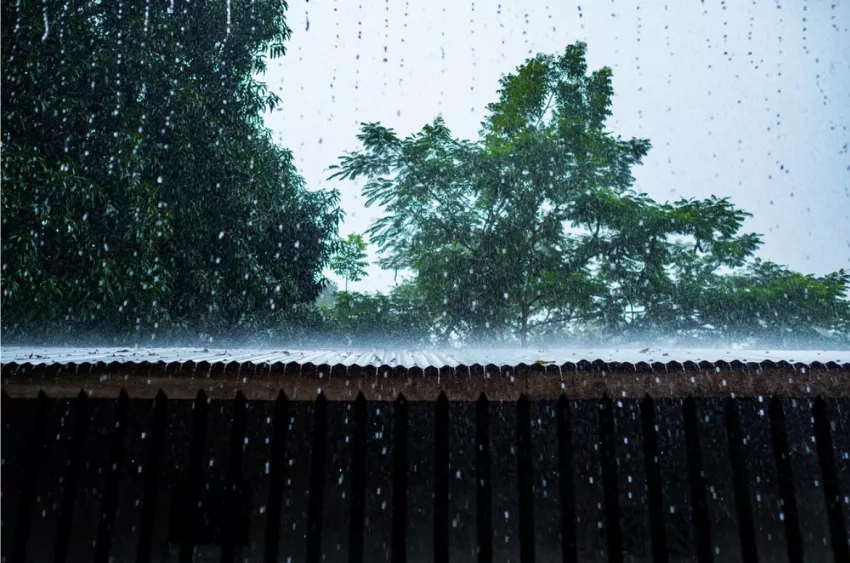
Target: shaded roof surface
421 358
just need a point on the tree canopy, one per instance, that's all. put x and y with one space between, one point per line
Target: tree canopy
350 260
142 193
143 196
536 229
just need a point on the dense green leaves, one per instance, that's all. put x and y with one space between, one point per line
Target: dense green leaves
398 318
143 196
142 192
350 260
534 230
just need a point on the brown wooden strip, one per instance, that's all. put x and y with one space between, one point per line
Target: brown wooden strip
92 480
589 493
462 483
386 385
377 530
420 481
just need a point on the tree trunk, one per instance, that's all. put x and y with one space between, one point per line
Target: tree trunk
523 329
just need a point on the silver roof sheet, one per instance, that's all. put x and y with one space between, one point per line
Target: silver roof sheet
414 358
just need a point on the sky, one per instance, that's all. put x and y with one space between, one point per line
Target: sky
746 100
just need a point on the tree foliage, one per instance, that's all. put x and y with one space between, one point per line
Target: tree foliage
397 318
536 228
350 260
141 191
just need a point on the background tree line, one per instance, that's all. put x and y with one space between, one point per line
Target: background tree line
144 197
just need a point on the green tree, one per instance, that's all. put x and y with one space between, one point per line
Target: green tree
350 260
535 230
532 224
399 318
141 191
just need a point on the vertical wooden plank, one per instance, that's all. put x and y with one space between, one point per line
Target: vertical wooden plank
336 514
503 426
274 468
719 480
318 457
525 481
565 474
463 542
356 525
149 458
176 442
441 479
401 468
420 481
654 494
55 460
257 459
23 433
94 469
673 465
238 494
190 515
116 467
71 477
360 420
293 546
832 429
378 521
131 480
610 486
760 461
697 483
484 481
785 481
807 479
631 479
587 481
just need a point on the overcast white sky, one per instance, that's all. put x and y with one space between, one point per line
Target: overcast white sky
745 99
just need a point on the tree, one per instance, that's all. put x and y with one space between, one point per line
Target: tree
536 223
142 192
350 260
398 318
766 302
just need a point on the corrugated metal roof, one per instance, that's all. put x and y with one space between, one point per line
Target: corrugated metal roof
421 358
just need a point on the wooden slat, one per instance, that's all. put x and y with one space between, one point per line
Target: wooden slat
546 486
631 474
788 458
378 521
503 427
719 480
807 480
420 482
170 478
673 463
131 473
95 467
293 536
23 437
336 514
463 542
589 494
743 382
763 485
53 472
837 413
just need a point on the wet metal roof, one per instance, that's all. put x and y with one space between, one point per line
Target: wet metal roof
421 358
463 374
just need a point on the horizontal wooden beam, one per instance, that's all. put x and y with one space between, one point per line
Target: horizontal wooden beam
426 386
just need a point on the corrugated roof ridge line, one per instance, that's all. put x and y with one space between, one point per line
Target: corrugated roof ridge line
410 358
